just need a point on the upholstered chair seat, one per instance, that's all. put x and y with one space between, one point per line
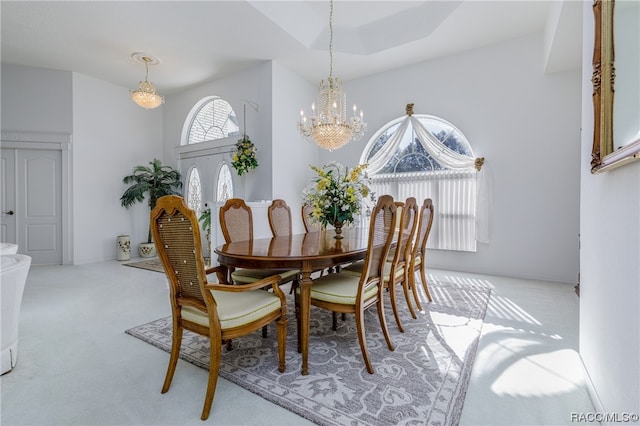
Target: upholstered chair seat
338 288
246 276
236 309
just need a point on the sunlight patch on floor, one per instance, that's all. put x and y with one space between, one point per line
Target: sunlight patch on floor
529 369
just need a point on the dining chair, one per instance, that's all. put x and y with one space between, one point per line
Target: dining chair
309 224
395 269
419 250
279 215
236 222
219 311
356 268
354 295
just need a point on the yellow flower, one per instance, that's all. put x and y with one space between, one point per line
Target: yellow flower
235 157
323 183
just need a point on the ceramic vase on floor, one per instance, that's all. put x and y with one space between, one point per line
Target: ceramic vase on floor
147 249
123 246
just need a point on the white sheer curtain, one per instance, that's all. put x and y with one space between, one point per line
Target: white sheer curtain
482 187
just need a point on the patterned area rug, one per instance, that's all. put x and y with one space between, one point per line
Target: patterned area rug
424 381
149 264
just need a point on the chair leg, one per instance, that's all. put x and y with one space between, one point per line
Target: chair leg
264 332
282 342
363 340
392 292
425 284
383 324
334 320
176 342
411 277
214 367
405 289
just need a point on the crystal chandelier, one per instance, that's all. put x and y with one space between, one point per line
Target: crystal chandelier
146 95
329 127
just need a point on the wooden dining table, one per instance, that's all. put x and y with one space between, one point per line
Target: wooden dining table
308 252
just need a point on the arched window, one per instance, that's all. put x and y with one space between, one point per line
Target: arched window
424 156
194 191
225 184
215 119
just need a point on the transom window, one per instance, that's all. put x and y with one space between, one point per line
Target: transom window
194 191
424 156
215 119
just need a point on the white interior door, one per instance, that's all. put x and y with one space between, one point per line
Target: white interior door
39 196
8 196
32 190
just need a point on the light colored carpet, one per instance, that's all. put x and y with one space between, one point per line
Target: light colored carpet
153 264
424 381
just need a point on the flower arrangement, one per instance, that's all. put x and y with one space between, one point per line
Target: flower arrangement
245 157
336 194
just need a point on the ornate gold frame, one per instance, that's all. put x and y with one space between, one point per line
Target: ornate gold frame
603 155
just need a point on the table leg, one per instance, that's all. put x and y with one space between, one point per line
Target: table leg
305 312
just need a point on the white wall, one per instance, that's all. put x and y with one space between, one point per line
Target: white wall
610 266
111 135
527 126
35 100
253 85
292 154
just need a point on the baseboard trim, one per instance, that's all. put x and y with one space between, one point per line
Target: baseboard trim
593 394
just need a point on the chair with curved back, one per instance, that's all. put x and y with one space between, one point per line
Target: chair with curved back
309 225
417 261
219 311
236 222
395 271
279 215
312 226
396 267
350 294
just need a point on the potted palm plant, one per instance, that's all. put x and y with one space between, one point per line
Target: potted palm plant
152 182
205 219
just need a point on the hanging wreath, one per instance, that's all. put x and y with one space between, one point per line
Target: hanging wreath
245 157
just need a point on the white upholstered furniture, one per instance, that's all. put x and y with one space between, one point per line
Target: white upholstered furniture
13 276
8 248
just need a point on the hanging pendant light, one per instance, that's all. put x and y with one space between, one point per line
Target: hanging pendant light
146 95
329 127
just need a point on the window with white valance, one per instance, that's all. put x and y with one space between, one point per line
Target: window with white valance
424 156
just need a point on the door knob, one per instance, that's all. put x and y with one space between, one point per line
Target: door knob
10 212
